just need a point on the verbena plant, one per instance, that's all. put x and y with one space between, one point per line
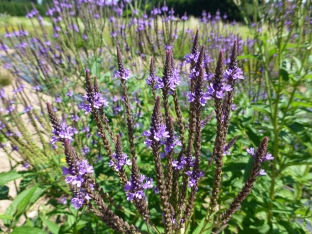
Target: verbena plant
177 165
256 113
277 96
79 34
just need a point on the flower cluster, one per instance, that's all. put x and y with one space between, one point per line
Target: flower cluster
154 82
175 79
160 135
267 157
96 100
136 189
194 177
120 161
62 132
125 74
76 177
235 73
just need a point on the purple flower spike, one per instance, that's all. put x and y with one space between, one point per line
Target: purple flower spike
95 99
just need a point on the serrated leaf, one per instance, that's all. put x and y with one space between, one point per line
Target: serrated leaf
25 229
53 227
6 177
200 226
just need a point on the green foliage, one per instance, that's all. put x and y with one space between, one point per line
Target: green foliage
19 8
274 100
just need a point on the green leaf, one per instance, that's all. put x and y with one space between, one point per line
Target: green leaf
284 73
25 229
9 217
53 227
20 203
71 220
253 136
301 104
298 62
247 56
290 229
4 192
248 168
200 226
6 177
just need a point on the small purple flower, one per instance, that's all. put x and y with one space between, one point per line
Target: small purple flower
75 118
170 145
85 129
235 73
62 200
168 47
70 93
97 102
28 108
77 202
85 150
184 18
65 132
155 11
193 178
66 171
58 100
262 172
268 157
37 88
191 58
113 34
251 151
136 190
124 76
26 165
179 165
155 81
164 8
15 148
85 168
2 93
174 79
120 162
